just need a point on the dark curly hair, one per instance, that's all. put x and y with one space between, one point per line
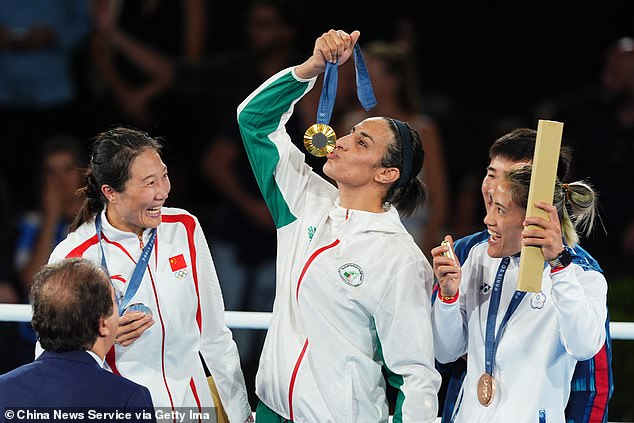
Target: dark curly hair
69 298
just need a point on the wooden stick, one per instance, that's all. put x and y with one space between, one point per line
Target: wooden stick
542 188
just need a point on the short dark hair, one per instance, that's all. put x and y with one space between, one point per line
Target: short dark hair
519 145
69 298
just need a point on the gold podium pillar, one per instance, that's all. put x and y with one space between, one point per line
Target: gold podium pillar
542 188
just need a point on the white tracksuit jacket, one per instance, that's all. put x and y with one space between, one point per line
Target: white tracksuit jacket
539 349
181 287
353 289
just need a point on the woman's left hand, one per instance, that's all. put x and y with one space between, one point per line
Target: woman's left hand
540 232
131 327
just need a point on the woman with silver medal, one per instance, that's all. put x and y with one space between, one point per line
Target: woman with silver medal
160 265
522 347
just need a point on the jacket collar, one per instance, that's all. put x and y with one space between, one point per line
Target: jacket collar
117 235
365 221
78 356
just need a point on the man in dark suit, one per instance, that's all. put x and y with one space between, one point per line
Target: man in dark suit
76 319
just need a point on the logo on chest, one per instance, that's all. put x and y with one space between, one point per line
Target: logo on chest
179 266
538 300
485 288
351 274
311 232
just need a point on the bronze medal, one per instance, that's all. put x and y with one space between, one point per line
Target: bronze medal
320 139
486 389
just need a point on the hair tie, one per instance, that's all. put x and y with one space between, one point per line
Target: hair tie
566 190
92 187
406 152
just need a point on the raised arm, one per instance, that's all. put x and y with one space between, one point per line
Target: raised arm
334 46
579 296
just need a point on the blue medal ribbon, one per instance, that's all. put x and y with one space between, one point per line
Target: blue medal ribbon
492 341
137 273
365 93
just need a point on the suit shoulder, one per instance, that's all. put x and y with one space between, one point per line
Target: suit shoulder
15 378
120 380
14 374
121 385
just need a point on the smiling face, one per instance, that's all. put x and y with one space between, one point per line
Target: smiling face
495 170
504 221
356 160
138 206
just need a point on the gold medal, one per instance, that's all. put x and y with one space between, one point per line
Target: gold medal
320 139
486 389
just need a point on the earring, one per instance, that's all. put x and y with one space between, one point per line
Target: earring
386 206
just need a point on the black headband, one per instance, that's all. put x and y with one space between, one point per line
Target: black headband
406 152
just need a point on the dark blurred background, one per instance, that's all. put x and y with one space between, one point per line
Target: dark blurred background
178 69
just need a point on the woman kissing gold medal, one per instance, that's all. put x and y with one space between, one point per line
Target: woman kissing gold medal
320 138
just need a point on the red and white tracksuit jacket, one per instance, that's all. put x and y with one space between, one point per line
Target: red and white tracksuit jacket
181 287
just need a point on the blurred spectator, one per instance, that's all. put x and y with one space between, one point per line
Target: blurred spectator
599 124
395 84
136 46
241 219
39 230
239 226
271 41
61 163
145 52
9 292
38 46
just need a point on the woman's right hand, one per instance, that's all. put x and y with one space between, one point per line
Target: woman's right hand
131 327
334 46
447 270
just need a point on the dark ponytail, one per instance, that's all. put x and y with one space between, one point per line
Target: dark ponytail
408 192
94 201
112 154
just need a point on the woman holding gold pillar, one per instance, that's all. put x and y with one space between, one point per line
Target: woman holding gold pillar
522 347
